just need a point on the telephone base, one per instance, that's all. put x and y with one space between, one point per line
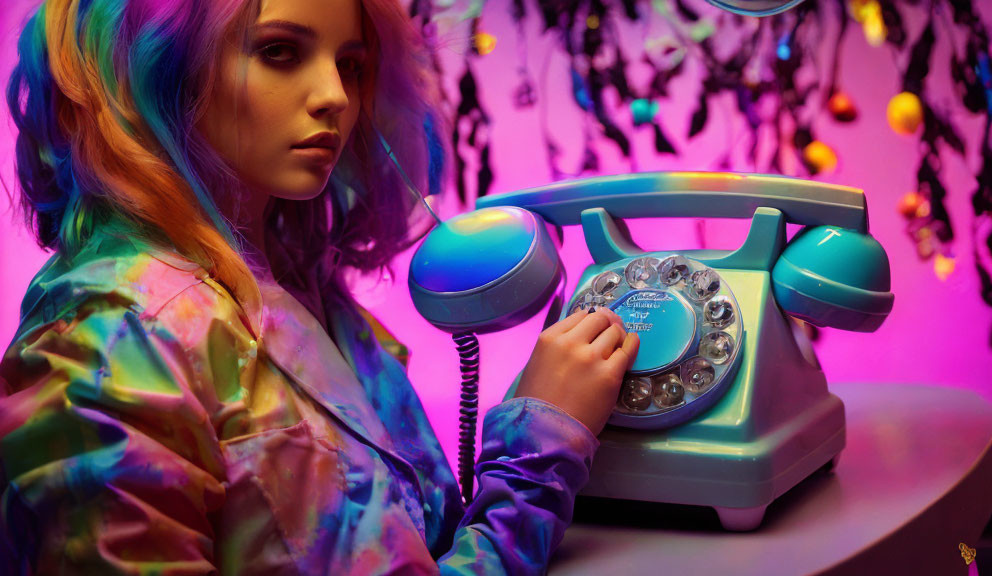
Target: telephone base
776 425
738 480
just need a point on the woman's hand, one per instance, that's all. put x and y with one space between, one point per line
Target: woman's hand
578 365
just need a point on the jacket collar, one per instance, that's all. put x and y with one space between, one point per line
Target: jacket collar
295 341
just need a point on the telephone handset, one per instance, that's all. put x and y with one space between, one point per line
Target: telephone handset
701 314
469 272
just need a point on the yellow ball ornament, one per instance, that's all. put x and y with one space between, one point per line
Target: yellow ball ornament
819 157
943 267
905 113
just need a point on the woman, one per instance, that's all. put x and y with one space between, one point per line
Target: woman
192 389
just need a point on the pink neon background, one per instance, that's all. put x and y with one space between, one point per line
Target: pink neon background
938 332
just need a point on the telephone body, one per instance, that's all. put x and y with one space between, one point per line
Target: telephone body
725 405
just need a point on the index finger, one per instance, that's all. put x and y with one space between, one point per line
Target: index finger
591 326
566 323
573 320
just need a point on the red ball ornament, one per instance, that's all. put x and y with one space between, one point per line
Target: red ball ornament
841 107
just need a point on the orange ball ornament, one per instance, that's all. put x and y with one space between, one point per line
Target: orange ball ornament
905 113
841 107
910 204
484 43
819 157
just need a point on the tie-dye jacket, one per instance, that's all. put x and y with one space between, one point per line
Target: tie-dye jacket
150 425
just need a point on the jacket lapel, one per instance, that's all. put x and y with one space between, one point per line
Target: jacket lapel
297 343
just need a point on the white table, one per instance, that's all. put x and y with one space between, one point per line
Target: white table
914 482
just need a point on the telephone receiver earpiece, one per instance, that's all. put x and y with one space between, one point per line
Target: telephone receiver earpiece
830 276
486 270
455 295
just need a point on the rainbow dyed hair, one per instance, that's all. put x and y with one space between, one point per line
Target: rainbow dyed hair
106 94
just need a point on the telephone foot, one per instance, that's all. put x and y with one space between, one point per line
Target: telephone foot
740 519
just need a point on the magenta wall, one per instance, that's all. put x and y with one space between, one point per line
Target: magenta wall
19 256
938 332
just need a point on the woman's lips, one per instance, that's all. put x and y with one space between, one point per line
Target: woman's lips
320 149
317 155
320 140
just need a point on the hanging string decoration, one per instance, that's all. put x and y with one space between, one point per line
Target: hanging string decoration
773 63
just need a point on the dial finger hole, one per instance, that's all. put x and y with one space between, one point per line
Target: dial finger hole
697 374
673 270
668 391
719 312
606 283
703 284
587 300
717 347
636 394
642 273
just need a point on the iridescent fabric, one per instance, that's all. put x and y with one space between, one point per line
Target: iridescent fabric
150 425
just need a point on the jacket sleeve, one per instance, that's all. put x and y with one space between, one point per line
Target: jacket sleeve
534 460
93 478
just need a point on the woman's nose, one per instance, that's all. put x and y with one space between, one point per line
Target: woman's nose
328 95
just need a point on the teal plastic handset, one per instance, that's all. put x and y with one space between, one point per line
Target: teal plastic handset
496 266
692 194
492 268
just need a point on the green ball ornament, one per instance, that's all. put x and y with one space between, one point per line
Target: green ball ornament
643 111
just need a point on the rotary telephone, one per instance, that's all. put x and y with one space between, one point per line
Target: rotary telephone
725 404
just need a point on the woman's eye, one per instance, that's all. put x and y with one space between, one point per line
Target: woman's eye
351 67
279 53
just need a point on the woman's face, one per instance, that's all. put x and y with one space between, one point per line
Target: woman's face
282 125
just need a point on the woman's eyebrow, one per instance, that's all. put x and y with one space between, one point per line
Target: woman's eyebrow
305 31
286 25
353 45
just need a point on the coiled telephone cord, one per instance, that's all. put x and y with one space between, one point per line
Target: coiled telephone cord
468 353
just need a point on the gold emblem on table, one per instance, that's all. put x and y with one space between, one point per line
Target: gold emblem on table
967 553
